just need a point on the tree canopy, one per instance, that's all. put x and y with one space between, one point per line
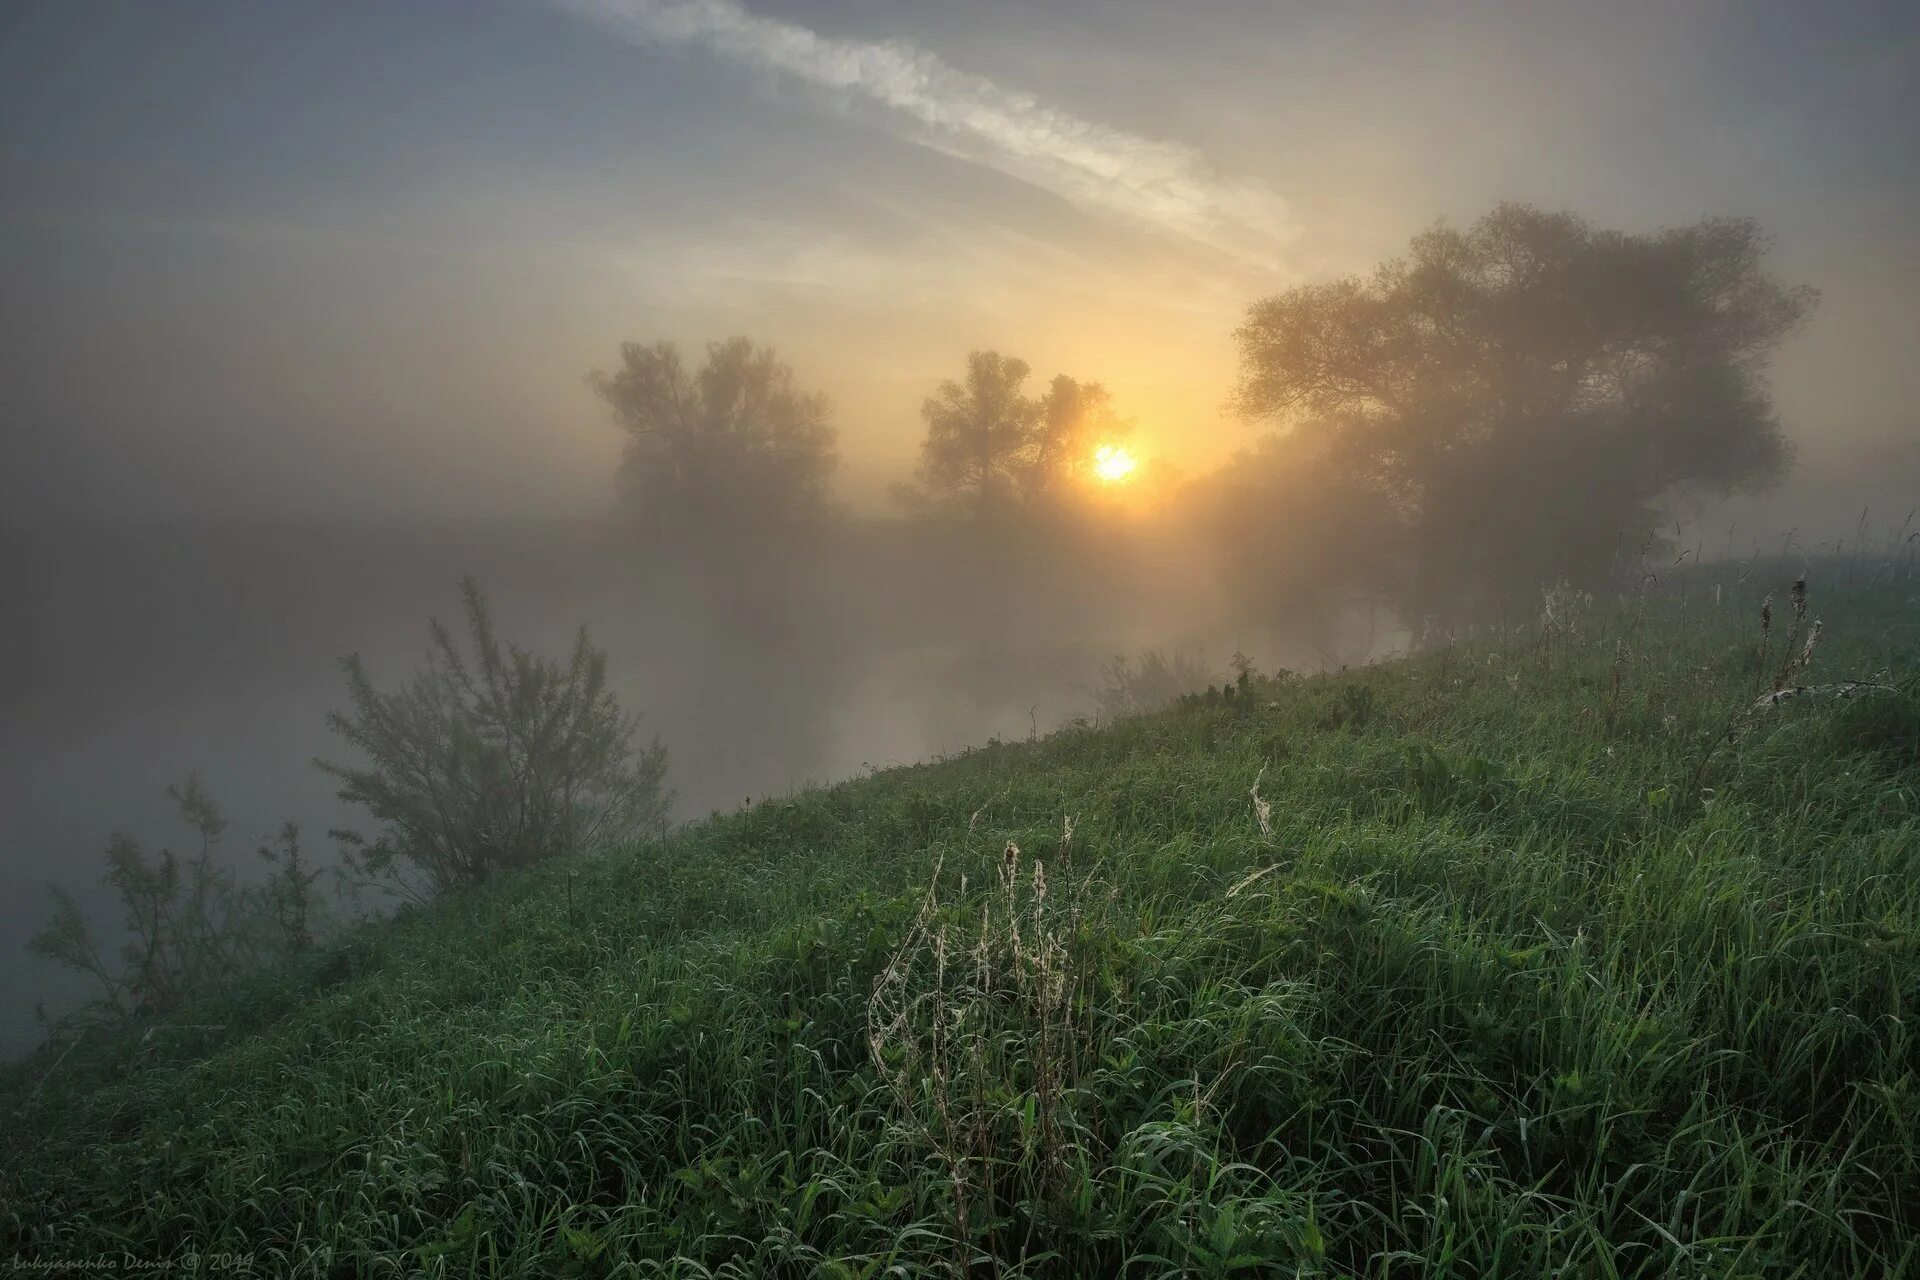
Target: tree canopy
1520 392
1070 421
979 437
735 443
991 448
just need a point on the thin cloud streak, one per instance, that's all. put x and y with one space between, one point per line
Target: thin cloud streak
1162 184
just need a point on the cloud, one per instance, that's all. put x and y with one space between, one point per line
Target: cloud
1146 180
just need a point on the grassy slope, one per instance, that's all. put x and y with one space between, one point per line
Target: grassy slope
1509 1002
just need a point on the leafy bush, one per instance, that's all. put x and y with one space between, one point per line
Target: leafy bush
489 762
190 925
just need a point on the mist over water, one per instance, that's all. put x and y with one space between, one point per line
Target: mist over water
139 653
136 653
297 308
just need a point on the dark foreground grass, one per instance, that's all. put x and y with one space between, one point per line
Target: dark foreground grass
1492 977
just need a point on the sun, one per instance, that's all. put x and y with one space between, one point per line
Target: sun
1112 464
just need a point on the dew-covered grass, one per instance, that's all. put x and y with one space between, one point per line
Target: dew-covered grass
1514 966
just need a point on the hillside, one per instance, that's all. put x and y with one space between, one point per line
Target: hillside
1484 962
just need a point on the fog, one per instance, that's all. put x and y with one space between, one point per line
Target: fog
298 308
140 652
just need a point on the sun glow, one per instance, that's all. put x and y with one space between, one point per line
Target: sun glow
1112 464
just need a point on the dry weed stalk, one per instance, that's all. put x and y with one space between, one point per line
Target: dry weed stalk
974 1036
1614 683
1796 658
1792 662
1249 880
1766 635
1261 809
1840 689
1560 607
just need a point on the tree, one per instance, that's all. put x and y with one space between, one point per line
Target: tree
1515 395
287 899
980 435
736 444
189 926
490 761
1298 541
1073 419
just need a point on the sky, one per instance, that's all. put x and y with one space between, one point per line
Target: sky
356 259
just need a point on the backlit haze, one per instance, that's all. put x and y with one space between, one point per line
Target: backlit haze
278 279
357 257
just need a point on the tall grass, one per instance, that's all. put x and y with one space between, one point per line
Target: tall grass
1464 965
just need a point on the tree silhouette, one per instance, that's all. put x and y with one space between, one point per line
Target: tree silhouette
1073 419
733 445
1514 395
980 434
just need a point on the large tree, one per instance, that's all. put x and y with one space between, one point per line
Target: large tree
734 444
980 436
1297 540
1072 420
1515 395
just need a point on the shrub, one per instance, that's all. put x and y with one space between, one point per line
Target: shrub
190 926
490 762
287 899
1155 679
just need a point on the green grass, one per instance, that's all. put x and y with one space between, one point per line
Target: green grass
1496 994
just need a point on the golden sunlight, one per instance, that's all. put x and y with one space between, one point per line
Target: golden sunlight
1112 464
